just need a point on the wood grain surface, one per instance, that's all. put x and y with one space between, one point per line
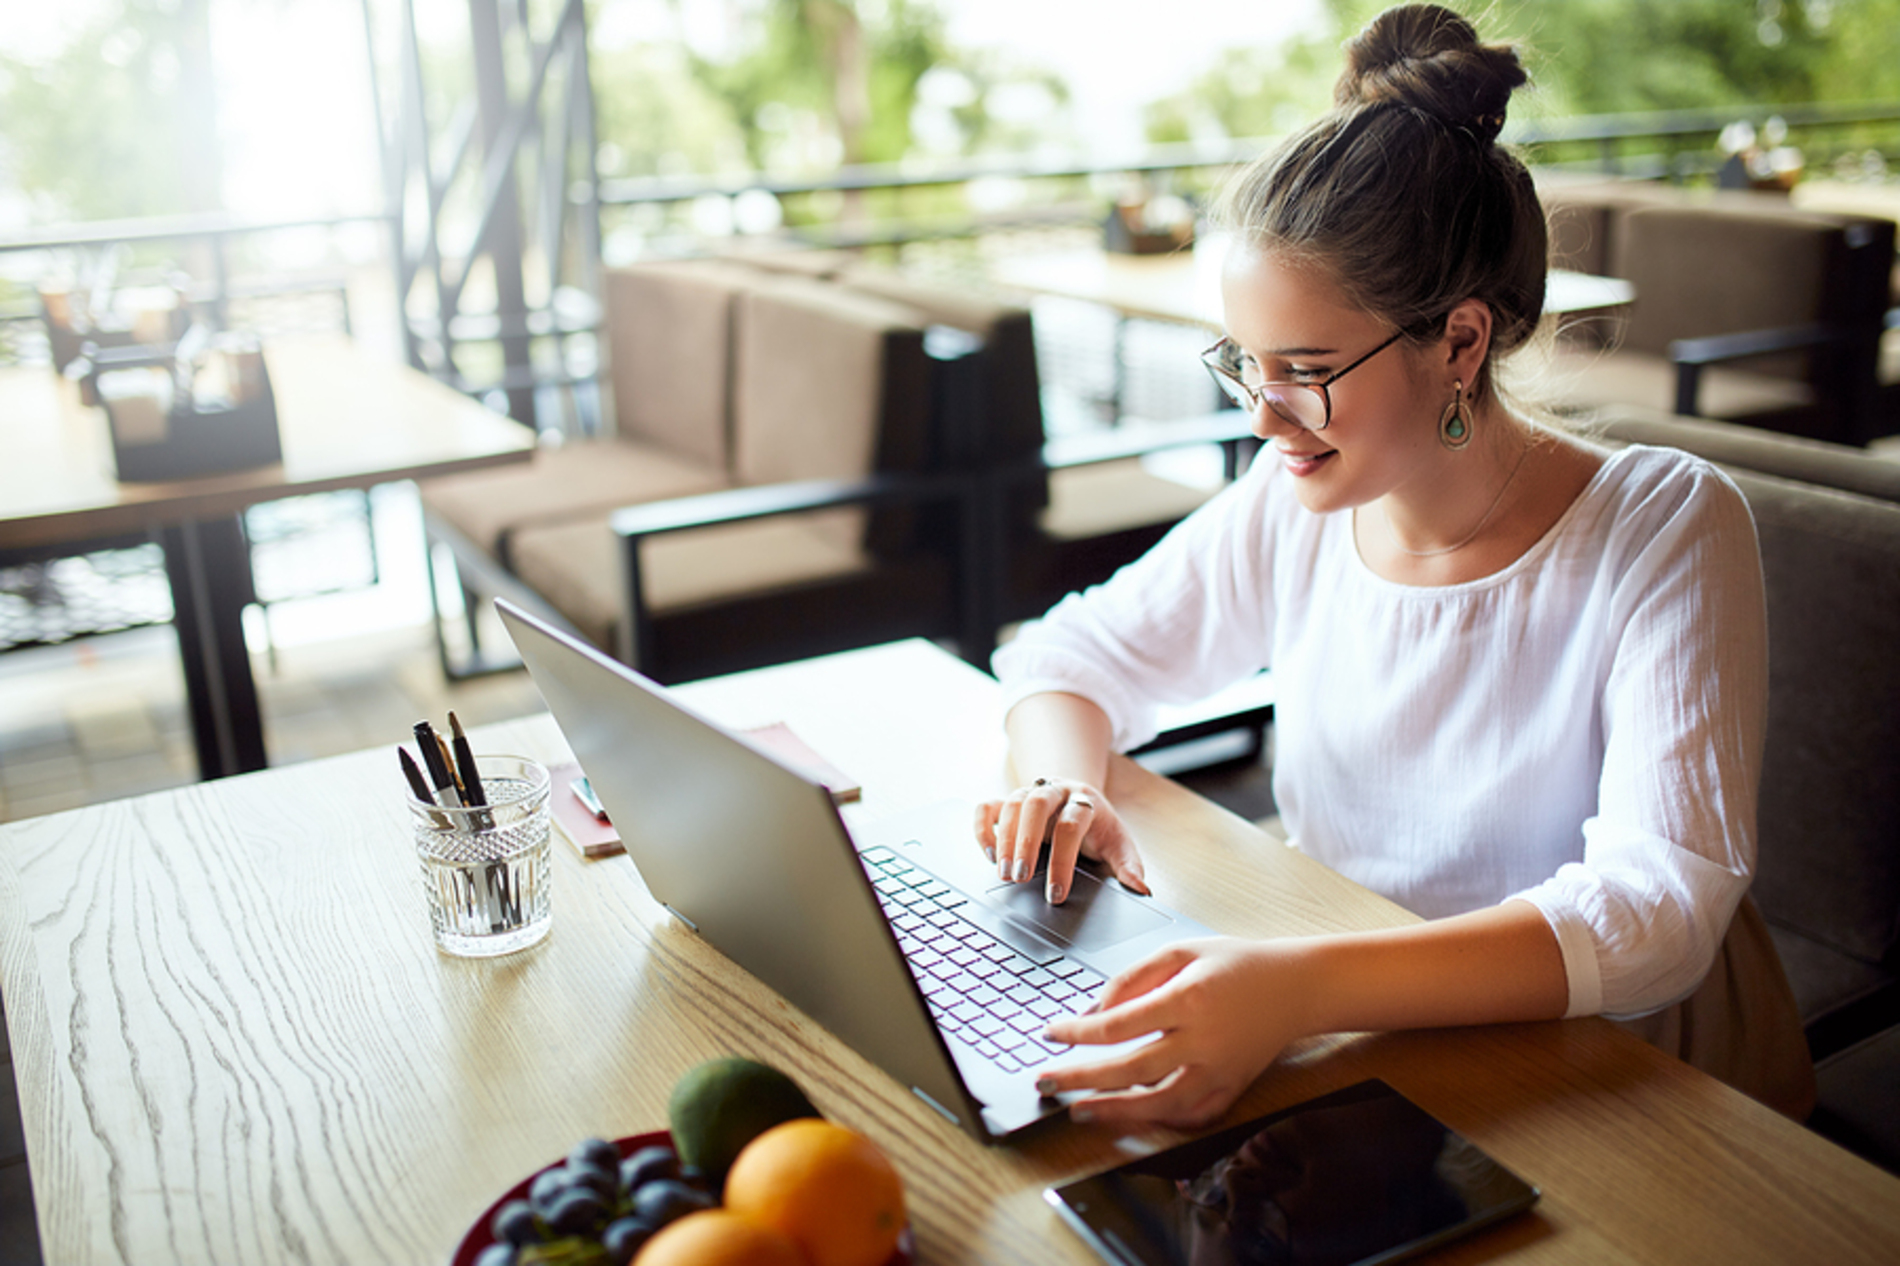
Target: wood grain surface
235 1041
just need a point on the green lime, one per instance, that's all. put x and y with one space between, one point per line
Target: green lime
723 1104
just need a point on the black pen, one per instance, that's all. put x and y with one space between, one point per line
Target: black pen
410 771
472 792
431 744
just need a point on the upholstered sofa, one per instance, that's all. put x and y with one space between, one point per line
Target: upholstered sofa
777 419
1828 881
1746 308
810 453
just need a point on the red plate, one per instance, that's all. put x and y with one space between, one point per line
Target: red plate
480 1237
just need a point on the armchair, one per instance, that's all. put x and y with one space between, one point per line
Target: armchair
1746 310
834 529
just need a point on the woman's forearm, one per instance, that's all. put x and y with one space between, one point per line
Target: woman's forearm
1059 736
1489 966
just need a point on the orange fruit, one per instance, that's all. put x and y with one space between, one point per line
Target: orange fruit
827 1187
719 1237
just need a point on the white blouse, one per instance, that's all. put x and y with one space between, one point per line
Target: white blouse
1581 730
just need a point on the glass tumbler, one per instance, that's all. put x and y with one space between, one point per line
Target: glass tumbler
486 870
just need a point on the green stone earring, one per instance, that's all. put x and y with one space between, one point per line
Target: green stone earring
1454 424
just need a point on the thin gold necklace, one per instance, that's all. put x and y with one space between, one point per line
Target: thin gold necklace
1470 536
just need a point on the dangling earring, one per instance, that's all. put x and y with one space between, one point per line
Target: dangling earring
1454 424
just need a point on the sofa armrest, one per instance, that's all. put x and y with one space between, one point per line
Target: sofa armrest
1692 355
633 524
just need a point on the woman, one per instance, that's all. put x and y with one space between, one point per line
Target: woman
1521 682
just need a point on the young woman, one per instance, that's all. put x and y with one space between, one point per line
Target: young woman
1521 682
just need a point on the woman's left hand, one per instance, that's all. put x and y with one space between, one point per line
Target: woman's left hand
1223 1007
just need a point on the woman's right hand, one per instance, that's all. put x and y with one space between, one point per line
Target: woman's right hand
1074 817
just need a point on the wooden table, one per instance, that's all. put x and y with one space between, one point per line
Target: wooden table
347 419
1184 286
235 1042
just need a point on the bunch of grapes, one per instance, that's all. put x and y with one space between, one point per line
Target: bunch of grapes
595 1208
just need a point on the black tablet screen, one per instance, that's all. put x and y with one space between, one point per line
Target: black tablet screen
1358 1176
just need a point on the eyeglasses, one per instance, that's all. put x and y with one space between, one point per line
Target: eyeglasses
1305 404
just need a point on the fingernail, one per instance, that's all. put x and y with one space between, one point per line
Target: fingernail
1079 1113
1055 893
1022 870
990 853
1045 1085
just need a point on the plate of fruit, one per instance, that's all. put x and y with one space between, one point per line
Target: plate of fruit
750 1172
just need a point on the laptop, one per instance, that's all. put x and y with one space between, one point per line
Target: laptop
896 935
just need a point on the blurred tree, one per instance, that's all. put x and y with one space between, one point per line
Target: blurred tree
1615 56
656 117
853 73
1862 62
1250 92
121 122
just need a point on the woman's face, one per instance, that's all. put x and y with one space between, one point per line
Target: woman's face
1290 323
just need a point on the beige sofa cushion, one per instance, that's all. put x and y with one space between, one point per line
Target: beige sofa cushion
668 342
827 384
1711 269
577 566
587 477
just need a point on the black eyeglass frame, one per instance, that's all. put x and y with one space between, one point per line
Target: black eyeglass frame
1248 396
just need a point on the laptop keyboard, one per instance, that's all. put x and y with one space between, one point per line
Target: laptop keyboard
985 992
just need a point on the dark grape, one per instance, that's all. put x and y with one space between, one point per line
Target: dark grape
623 1238
576 1211
647 1164
597 1152
547 1188
496 1255
666 1199
604 1183
515 1223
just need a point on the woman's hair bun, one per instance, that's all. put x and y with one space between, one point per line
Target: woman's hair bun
1430 59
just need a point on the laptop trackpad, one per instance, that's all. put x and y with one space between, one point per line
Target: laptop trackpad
1096 915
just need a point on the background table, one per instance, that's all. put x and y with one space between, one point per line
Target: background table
1184 286
236 1042
347 419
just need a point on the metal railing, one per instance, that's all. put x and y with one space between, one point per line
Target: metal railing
898 206
892 204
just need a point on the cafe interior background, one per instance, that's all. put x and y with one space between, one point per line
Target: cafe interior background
148 147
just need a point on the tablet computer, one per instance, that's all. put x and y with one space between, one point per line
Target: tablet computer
1358 1176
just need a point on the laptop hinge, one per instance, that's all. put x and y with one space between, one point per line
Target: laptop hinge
682 918
948 1115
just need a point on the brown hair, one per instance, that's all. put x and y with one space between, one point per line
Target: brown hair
1401 192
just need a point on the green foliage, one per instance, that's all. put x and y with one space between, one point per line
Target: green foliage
113 125
654 117
1618 56
1251 92
852 74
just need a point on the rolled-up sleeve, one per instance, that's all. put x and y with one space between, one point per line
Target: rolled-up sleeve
1190 616
1669 853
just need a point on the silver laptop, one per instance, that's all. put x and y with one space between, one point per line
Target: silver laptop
897 936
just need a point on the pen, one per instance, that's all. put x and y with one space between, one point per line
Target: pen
431 745
472 791
414 774
448 763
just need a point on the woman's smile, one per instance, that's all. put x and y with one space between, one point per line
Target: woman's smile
1302 464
